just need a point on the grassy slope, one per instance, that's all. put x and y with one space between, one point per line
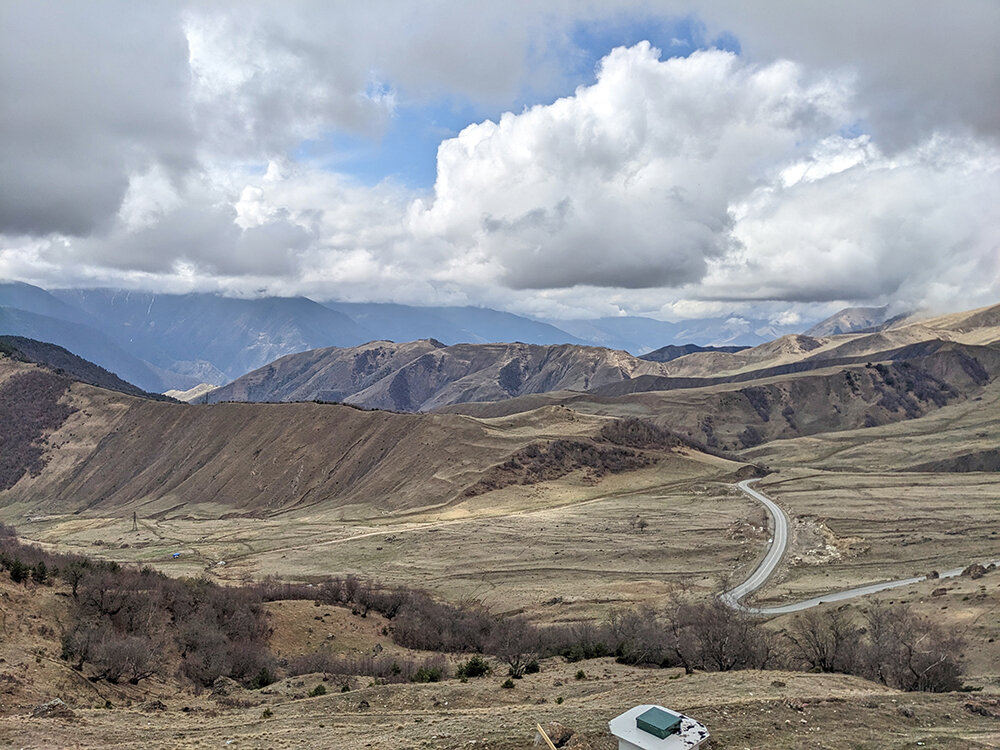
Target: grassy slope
116 454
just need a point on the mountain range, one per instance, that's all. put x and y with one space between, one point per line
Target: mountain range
791 386
161 342
78 438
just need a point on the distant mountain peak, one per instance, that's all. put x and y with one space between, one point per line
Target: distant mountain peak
850 320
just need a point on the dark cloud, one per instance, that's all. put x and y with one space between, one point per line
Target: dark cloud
91 93
922 66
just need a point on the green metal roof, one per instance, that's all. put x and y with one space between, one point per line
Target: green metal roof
658 722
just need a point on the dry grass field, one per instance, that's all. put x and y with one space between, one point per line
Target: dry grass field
746 709
514 549
860 516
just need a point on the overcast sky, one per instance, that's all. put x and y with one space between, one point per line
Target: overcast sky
560 159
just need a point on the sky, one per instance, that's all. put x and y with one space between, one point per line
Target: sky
561 159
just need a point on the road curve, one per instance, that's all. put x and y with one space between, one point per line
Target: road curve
776 550
779 543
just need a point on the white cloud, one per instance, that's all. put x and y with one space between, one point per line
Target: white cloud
627 183
149 197
678 187
871 228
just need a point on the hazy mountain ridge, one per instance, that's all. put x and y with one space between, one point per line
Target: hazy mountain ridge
91 344
233 335
641 335
162 342
670 352
850 320
426 375
452 325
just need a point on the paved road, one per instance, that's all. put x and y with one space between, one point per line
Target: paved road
767 566
776 550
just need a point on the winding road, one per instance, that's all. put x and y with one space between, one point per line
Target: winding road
779 544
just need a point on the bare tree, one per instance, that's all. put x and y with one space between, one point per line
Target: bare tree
133 658
826 641
515 642
910 653
73 573
678 637
728 639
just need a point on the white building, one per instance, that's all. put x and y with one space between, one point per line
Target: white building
651 727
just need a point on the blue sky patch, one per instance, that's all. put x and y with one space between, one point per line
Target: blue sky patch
407 151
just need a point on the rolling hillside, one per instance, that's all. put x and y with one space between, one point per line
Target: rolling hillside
64 362
798 385
109 451
98 451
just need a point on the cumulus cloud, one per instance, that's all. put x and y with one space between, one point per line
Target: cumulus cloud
923 65
852 223
836 159
628 182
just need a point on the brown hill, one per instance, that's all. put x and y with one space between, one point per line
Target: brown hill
98 452
329 374
799 398
673 351
979 326
64 362
424 375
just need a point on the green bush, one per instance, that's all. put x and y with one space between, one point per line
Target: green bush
476 666
588 650
318 690
40 573
507 684
262 679
428 674
19 572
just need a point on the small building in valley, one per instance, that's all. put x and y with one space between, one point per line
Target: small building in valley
650 727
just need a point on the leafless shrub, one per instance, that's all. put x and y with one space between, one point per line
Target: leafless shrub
638 433
315 661
826 641
903 651
515 642
538 462
725 639
130 657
